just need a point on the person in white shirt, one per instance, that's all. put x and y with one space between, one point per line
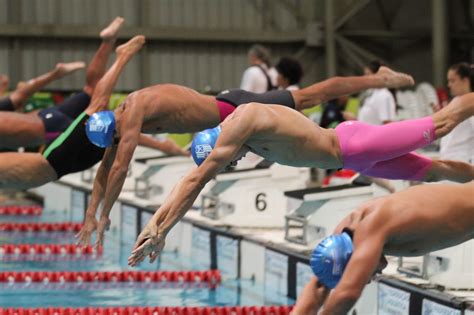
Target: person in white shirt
459 143
260 77
289 74
378 106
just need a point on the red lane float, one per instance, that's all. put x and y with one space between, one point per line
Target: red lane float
209 276
40 227
47 249
179 310
21 210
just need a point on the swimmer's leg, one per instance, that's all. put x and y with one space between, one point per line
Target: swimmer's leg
98 64
24 170
104 88
363 145
339 86
458 110
26 89
413 166
456 171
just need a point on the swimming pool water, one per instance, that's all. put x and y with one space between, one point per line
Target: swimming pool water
230 292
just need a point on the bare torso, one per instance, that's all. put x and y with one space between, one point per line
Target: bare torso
286 136
422 219
18 130
172 108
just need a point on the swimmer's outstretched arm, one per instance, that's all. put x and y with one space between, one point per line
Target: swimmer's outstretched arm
311 298
98 193
151 240
100 98
100 184
339 86
130 128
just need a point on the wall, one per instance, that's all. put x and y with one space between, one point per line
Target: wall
203 43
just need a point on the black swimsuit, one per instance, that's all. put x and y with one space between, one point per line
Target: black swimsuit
72 151
6 104
228 100
56 119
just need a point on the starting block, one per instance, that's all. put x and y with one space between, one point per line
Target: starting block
252 195
317 211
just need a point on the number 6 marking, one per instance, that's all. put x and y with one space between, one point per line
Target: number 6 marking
260 202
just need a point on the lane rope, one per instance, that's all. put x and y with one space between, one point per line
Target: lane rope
40 227
179 310
21 210
208 276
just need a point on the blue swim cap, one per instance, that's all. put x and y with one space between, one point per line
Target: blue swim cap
203 143
330 257
100 128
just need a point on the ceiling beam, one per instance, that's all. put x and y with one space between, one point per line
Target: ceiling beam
153 34
386 34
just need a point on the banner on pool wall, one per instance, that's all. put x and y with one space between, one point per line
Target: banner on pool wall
276 272
392 300
433 308
227 262
228 256
129 224
303 275
78 205
201 247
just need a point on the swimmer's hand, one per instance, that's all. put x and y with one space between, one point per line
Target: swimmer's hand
149 243
84 235
103 226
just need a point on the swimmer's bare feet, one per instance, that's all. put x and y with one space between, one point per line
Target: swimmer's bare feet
131 47
110 32
394 79
63 69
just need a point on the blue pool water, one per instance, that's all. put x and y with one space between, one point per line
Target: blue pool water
75 295
230 292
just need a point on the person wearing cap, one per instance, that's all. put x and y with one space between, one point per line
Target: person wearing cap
72 151
413 222
177 109
287 137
